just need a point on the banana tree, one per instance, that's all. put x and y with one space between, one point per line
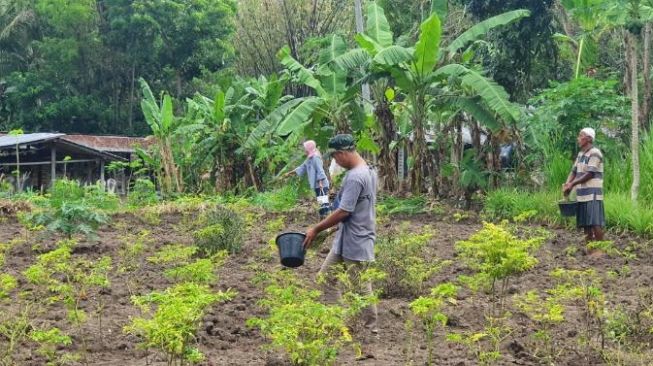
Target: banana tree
160 117
221 127
428 75
333 107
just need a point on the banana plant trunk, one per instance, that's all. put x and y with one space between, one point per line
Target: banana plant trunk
386 121
647 97
631 40
419 150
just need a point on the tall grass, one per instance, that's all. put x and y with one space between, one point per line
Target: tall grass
621 213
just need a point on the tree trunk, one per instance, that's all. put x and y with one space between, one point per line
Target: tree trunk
419 149
647 98
631 40
386 120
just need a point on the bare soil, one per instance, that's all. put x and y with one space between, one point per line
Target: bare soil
226 340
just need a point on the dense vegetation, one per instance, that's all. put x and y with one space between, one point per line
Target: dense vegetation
482 99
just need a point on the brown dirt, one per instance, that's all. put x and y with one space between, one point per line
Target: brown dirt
226 340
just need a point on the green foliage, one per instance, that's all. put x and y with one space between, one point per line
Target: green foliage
142 194
497 255
565 108
49 342
174 318
223 231
401 257
132 249
485 344
71 209
547 313
309 332
173 254
7 284
429 311
280 200
391 205
202 271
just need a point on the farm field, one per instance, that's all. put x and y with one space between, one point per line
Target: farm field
614 310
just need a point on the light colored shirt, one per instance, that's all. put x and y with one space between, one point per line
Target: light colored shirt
356 234
314 170
589 161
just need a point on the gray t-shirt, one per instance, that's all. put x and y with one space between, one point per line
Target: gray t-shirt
313 168
355 236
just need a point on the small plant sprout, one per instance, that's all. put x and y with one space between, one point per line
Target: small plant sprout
7 284
484 345
429 311
49 341
173 254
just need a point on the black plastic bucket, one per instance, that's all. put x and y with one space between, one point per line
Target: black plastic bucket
291 248
568 208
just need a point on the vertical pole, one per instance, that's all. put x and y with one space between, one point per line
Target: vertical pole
102 170
53 164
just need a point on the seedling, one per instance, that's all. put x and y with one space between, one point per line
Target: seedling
173 254
429 311
49 340
485 345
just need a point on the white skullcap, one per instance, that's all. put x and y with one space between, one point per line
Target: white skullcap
589 132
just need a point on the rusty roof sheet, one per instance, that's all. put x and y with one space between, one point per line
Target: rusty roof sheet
119 144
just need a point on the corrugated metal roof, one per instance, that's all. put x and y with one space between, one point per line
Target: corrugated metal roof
120 144
28 138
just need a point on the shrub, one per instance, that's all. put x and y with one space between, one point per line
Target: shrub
401 256
173 326
7 284
223 231
496 255
70 210
142 194
309 332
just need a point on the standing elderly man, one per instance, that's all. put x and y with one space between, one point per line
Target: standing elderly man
355 216
587 177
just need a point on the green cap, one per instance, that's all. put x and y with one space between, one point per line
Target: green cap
342 142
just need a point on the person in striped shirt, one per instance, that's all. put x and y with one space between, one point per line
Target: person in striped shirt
587 178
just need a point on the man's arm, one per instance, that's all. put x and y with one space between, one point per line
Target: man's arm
332 220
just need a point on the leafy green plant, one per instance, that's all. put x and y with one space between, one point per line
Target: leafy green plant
131 250
546 313
8 283
484 345
429 311
401 257
606 246
309 332
49 340
72 280
173 254
223 231
142 194
497 255
70 209
175 316
202 271
583 287
14 330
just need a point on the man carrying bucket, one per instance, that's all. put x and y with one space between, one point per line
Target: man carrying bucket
587 177
355 216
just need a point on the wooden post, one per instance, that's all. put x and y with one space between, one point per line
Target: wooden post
102 170
53 164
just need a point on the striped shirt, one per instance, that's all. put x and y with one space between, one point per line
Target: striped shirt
589 161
